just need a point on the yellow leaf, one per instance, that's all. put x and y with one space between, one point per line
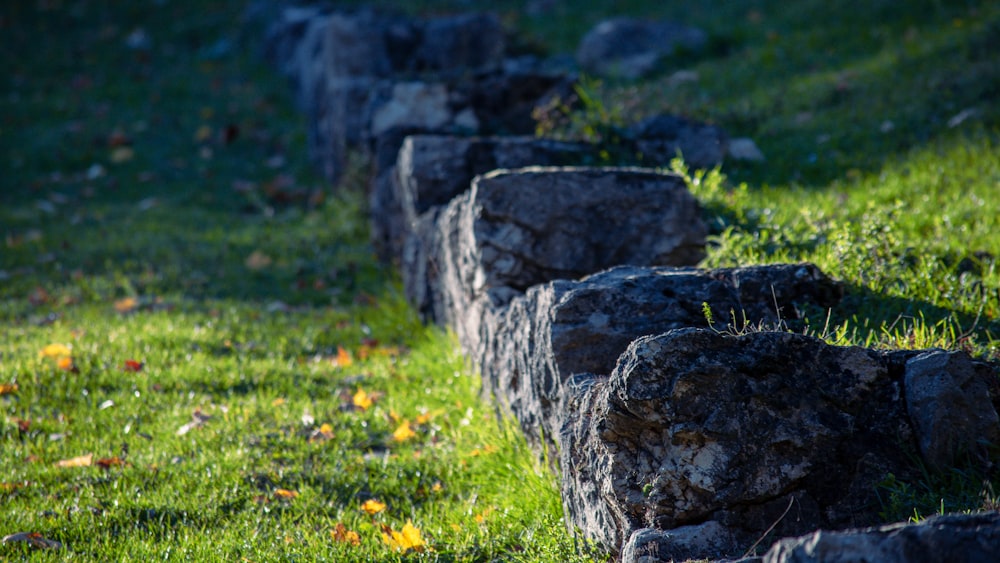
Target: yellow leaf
343 358
362 400
203 134
436 487
65 363
126 305
55 351
80 461
278 402
8 388
326 430
257 260
372 506
406 539
122 154
285 494
403 432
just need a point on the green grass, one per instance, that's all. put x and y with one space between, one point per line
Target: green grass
240 275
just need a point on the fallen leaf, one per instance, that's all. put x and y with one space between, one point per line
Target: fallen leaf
122 154
55 351
403 432
34 539
109 462
38 296
65 363
132 365
198 419
278 402
79 461
341 534
285 494
343 358
406 539
372 506
8 388
362 400
203 134
257 260
126 305
323 433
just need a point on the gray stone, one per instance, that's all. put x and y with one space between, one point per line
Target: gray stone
659 139
464 42
515 229
745 149
633 48
948 399
433 169
694 426
564 328
956 538
650 545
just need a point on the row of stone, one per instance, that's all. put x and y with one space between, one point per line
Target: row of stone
681 429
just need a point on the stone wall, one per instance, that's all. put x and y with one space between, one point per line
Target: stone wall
685 418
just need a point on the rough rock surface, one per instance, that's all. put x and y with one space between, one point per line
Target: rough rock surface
433 169
957 538
948 398
694 427
632 48
564 328
515 229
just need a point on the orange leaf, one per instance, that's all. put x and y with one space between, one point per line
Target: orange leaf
343 358
362 400
285 494
8 388
126 305
109 462
79 461
341 534
132 365
65 363
372 506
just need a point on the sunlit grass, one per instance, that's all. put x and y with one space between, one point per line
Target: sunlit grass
246 288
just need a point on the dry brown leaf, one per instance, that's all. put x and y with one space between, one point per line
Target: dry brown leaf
79 461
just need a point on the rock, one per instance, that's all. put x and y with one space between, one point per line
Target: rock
958 538
693 426
433 169
632 48
649 545
661 138
414 104
745 149
464 42
515 229
948 400
564 328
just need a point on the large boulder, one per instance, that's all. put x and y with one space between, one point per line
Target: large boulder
518 228
432 169
557 331
957 538
633 48
697 433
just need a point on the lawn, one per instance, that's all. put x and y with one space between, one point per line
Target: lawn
201 359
